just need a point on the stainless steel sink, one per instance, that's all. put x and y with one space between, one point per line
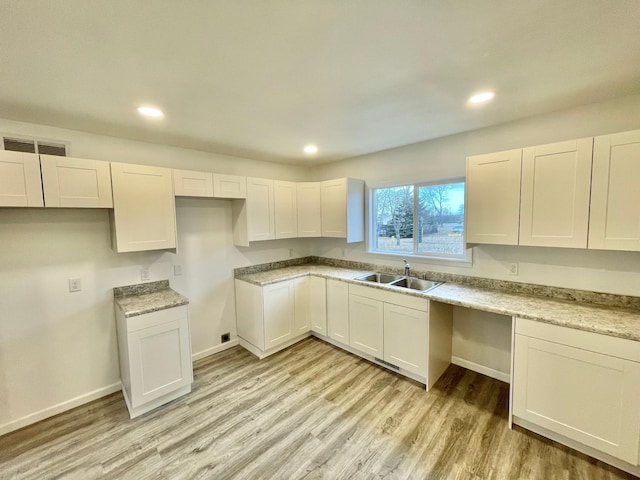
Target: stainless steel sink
380 277
415 284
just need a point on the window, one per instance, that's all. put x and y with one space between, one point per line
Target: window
422 220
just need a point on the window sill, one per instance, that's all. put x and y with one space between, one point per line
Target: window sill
450 262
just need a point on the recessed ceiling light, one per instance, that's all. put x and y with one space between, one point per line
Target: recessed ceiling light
150 112
310 149
481 97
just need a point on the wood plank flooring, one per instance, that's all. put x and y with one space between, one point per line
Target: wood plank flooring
312 411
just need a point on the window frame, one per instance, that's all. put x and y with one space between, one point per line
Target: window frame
466 259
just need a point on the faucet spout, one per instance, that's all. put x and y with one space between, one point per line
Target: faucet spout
407 268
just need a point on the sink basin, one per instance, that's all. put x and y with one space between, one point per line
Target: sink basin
415 284
380 277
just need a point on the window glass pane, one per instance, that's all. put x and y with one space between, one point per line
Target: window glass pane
441 219
393 219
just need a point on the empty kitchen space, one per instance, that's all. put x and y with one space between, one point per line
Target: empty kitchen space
328 239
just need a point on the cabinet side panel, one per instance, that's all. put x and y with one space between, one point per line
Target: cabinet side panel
249 313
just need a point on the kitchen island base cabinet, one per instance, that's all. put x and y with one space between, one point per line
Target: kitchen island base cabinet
580 385
155 358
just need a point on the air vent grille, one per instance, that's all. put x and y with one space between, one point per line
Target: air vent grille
34 146
52 149
19 145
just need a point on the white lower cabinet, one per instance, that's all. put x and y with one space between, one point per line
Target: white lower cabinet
269 318
338 311
155 358
405 338
318 304
580 385
366 325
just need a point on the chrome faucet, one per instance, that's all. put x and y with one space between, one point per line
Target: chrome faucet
407 268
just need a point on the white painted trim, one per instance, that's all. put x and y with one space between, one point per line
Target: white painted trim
59 408
476 367
592 452
213 350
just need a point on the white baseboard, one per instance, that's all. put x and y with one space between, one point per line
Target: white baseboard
476 367
217 349
59 408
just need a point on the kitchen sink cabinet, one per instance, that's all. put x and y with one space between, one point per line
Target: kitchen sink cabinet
309 210
285 209
338 311
580 385
143 216
76 182
20 184
405 338
342 209
366 325
614 222
190 183
155 358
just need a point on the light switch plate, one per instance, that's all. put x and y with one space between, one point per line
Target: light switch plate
75 285
144 274
177 270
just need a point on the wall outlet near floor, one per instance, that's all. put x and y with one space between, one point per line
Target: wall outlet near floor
177 270
75 285
513 268
144 274
225 337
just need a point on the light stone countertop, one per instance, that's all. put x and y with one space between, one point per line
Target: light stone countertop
149 297
612 321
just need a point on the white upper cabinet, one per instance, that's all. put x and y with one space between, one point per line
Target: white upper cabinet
309 211
229 186
614 222
493 197
556 183
342 209
76 182
190 183
144 215
285 211
260 209
20 184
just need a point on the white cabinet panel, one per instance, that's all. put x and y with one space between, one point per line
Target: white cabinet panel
614 222
342 209
302 323
260 209
556 185
318 304
338 310
309 210
20 184
285 210
493 198
229 186
190 183
144 215
586 396
76 182
366 325
278 313
405 338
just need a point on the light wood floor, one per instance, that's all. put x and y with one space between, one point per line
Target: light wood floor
312 411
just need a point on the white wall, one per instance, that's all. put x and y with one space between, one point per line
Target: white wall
612 272
57 348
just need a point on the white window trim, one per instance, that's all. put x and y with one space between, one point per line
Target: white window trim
458 261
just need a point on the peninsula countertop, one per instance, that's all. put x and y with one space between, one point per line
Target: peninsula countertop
591 317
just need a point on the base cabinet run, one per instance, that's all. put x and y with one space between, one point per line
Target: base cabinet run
581 385
155 358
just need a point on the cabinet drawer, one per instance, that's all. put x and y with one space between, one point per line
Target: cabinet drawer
152 319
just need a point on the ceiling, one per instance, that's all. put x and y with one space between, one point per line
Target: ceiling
262 78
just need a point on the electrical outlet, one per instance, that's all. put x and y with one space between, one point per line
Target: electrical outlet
75 285
513 269
225 337
290 252
177 270
144 274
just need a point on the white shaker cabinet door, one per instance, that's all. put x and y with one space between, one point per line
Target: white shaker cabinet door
338 310
614 222
285 210
405 338
76 182
366 325
229 186
20 184
493 198
302 322
318 304
260 209
309 212
556 185
190 183
279 301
